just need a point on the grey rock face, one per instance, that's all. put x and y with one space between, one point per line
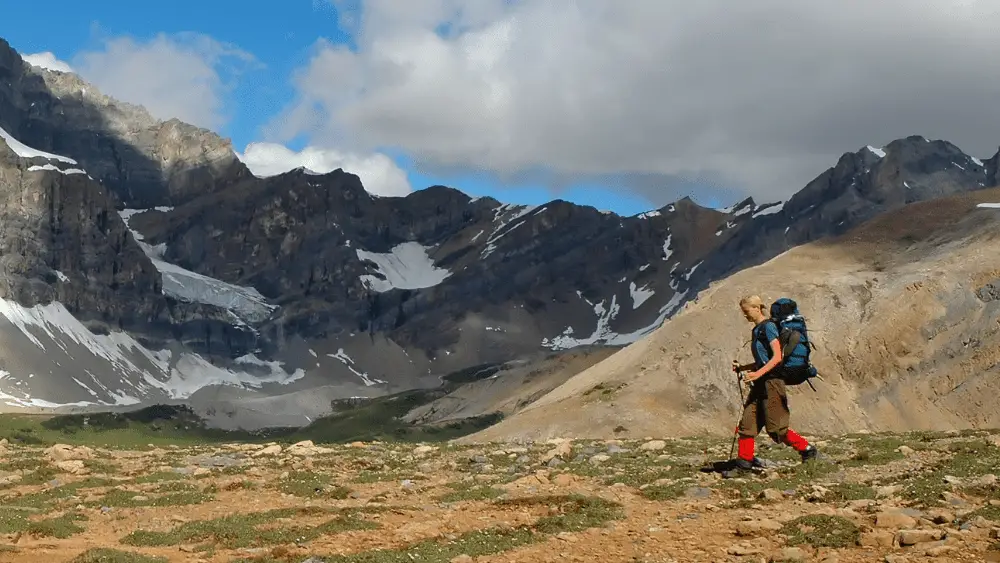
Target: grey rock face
140 159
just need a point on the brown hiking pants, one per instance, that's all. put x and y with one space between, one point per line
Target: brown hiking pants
766 407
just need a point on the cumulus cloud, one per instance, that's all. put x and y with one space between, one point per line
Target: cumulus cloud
48 61
379 174
184 76
758 97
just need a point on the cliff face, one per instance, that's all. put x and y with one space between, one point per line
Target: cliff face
140 159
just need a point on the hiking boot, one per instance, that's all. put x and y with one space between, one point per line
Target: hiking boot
809 453
740 468
758 463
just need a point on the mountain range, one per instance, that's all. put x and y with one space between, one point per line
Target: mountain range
142 262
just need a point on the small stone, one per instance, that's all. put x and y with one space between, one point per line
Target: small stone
270 450
940 516
563 480
698 492
877 538
913 537
653 445
987 480
757 528
905 450
742 549
772 495
463 558
599 458
422 450
887 491
791 554
952 480
940 550
894 519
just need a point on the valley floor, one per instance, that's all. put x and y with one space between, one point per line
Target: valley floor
895 498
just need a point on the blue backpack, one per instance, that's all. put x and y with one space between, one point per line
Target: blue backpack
794 339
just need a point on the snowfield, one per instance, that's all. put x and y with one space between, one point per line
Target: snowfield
407 266
246 303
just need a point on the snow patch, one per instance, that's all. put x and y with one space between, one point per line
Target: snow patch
605 335
501 229
407 266
246 303
687 275
62 277
877 152
53 168
639 294
666 247
349 363
24 151
775 208
976 161
648 214
957 165
907 186
989 205
53 329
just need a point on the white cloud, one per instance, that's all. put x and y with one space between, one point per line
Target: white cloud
48 61
762 96
378 173
180 75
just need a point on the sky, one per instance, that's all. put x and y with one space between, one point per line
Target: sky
625 106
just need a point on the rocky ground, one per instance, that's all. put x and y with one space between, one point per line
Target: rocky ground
904 497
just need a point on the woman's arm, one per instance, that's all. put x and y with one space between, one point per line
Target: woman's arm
776 356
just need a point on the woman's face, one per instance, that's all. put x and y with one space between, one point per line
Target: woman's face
748 313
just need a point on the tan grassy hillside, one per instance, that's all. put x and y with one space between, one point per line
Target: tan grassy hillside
904 340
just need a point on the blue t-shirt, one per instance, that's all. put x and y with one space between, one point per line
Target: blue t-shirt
762 351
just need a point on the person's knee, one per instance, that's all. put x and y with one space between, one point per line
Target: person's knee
778 436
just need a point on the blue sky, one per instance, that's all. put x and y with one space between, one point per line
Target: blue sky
282 40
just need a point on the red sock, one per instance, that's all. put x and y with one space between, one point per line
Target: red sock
796 441
746 448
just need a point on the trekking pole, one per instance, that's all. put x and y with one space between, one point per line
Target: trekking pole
736 431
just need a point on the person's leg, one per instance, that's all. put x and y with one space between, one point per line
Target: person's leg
750 425
777 419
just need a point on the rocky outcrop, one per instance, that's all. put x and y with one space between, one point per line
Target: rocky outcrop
142 160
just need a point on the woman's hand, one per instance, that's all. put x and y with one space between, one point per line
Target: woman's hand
753 376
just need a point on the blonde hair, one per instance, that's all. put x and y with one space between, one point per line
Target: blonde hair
752 302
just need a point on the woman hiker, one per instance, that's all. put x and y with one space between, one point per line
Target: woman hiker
767 403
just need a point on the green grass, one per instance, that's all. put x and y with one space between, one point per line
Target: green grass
969 459
244 530
788 478
50 499
875 450
821 531
164 425
60 527
119 498
312 484
104 555
665 492
470 491
575 513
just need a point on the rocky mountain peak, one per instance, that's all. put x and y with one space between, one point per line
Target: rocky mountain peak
144 161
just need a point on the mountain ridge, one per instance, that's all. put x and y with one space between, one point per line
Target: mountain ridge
315 283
